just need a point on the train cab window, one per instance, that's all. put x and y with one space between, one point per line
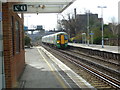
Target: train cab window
58 37
66 37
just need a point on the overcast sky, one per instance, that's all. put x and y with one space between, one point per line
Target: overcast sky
49 21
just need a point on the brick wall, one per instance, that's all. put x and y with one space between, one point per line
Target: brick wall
14 62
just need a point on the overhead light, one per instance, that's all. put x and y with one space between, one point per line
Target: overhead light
30 5
42 6
36 6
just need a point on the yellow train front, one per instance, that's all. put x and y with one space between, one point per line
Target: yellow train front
59 40
62 40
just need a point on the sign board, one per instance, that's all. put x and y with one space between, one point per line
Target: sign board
20 7
39 27
91 33
25 28
0 16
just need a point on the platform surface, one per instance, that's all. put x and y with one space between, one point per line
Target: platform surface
107 48
43 70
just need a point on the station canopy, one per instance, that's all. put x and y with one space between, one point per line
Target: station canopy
44 6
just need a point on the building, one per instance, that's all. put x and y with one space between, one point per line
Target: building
13 42
12 53
82 21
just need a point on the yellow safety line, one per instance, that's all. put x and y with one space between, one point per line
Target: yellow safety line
60 81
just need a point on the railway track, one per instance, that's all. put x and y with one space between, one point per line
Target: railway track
86 65
97 63
108 79
114 63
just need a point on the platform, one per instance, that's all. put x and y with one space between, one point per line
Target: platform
43 70
107 48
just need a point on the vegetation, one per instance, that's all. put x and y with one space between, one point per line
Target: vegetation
76 28
27 41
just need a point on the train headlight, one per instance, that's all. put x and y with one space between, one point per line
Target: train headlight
58 41
66 41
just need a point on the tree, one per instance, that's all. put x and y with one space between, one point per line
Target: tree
114 26
97 35
107 32
27 41
68 25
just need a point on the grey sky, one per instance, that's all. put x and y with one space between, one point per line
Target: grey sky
49 21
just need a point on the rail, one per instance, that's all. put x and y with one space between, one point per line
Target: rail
104 77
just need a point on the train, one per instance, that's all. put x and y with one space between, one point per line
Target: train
58 40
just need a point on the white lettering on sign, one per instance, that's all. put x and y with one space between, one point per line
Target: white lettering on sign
20 7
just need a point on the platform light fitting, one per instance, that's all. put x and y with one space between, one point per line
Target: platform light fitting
42 6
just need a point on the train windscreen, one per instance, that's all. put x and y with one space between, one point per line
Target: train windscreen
58 37
66 37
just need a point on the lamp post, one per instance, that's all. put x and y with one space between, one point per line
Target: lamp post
26 20
102 23
88 12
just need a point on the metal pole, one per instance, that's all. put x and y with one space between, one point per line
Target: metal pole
85 38
102 28
75 21
102 24
88 26
82 39
2 75
91 38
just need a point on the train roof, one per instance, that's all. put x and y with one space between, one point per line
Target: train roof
61 33
55 34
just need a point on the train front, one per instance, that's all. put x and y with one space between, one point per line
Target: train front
62 40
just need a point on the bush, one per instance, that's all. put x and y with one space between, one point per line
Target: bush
97 40
27 40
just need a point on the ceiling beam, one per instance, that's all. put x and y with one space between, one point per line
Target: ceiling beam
45 6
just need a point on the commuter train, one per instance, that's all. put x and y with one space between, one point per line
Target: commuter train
59 40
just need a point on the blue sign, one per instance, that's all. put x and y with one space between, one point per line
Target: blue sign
0 16
91 33
39 27
25 28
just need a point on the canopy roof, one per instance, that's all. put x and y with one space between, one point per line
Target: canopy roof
44 6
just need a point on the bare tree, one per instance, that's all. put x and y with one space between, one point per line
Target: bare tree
68 25
114 26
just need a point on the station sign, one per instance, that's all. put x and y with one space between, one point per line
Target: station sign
39 27
25 28
91 33
20 7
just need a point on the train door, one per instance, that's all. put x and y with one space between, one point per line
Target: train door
62 40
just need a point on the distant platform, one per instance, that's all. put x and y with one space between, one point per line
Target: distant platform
107 48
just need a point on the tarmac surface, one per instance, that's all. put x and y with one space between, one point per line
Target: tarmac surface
45 71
